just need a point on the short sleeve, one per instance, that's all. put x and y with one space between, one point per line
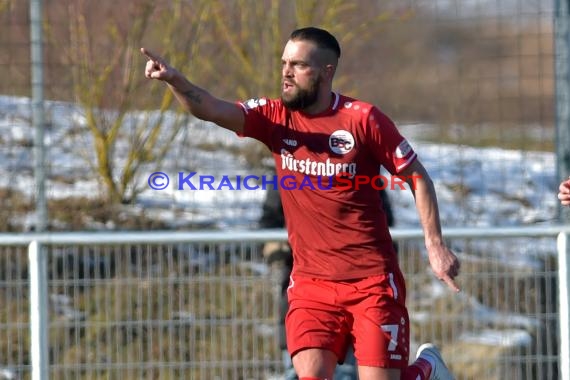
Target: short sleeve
260 115
388 146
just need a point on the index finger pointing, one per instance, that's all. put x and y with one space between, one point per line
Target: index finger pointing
449 281
150 55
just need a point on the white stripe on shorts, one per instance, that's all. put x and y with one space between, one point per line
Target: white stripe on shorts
393 285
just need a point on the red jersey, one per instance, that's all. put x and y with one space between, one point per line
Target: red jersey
335 233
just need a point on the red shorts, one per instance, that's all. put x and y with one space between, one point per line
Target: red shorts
370 313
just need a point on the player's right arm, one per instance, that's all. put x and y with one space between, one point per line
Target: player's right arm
196 100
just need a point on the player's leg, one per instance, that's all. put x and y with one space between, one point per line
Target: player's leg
377 373
429 365
382 353
315 363
381 327
316 330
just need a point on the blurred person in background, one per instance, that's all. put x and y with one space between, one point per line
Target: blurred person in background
346 288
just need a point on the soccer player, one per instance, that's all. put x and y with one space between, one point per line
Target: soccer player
564 192
272 217
346 285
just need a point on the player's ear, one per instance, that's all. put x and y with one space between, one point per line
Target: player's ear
329 70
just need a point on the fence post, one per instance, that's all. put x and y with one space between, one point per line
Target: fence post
562 83
38 112
563 310
39 313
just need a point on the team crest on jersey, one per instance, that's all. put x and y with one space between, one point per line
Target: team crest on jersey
254 103
341 142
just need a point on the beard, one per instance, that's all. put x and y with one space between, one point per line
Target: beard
303 97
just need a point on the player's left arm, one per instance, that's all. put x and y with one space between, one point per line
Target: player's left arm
443 261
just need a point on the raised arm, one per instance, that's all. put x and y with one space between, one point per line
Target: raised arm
196 100
443 261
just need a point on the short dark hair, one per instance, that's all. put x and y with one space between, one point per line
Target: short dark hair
320 37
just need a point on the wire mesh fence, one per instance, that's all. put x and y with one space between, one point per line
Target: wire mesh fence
205 310
470 83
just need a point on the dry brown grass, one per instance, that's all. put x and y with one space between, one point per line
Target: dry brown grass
493 289
128 321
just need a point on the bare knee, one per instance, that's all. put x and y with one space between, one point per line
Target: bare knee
315 362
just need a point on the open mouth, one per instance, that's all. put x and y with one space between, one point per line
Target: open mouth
287 86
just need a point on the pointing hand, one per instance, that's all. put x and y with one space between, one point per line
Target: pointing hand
157 67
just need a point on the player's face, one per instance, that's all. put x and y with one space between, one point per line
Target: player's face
301 75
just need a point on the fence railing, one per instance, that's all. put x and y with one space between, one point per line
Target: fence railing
204 305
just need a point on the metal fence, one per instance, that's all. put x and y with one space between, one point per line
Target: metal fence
205 305
470 74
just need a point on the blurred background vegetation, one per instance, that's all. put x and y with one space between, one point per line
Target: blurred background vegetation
416 63
455 73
